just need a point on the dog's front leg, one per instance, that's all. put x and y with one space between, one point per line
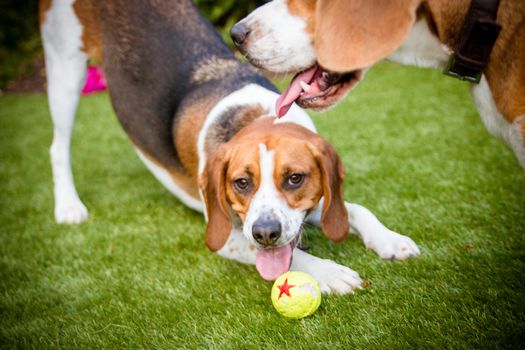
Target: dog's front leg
332 277
386 243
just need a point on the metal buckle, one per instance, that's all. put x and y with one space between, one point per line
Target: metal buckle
449 71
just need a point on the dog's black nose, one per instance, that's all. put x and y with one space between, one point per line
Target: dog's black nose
266 232
239 32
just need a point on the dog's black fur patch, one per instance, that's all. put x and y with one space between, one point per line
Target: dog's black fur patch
150 55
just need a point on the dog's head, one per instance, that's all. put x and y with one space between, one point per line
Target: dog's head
329 42
266 180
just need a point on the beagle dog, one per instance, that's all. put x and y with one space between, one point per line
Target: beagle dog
332 42
203 123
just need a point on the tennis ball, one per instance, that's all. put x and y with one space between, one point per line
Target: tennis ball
296 294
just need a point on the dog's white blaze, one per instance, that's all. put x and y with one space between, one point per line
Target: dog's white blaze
421 48
268 201
166 180
495 122
280 43
66 71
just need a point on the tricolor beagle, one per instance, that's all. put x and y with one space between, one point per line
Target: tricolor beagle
332 42
192 111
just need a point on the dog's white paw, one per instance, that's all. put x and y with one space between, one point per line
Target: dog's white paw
335 278
393 246
72 211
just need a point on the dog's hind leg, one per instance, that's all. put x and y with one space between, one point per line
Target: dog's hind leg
66 71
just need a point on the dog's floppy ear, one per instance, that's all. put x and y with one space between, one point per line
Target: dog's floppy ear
334 217
213 186
355 34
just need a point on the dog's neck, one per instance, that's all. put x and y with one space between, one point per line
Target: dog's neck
230 123
445 18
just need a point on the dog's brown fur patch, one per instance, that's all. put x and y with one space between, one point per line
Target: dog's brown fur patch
88 16
506 71
306 10
43 7
186 133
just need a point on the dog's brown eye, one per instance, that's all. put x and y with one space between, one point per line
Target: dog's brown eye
241 184
294 181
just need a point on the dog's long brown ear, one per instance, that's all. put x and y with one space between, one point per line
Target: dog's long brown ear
213 187
334 217
355 34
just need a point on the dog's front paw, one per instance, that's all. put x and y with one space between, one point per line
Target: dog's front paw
335 278
393 246
72 211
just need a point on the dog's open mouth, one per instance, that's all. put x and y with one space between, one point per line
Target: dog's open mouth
273 262
316 88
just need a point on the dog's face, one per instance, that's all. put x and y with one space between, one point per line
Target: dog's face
266 180
329 41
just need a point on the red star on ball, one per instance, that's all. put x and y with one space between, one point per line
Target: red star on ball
285 288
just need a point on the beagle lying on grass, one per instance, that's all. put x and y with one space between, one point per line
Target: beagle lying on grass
203 124
332 42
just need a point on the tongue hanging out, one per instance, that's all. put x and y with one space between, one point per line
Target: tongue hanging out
273 262
316 88
292 93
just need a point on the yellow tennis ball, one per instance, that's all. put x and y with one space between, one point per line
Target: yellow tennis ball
296 294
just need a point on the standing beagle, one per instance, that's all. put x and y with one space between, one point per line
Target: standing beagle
332 42
202 123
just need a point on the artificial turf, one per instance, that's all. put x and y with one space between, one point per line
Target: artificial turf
138 275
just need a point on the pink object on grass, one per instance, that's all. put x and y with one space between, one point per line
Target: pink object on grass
95 80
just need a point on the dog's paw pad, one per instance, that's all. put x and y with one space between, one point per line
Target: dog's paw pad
72 212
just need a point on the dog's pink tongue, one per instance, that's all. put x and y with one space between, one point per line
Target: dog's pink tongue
292 93
273 262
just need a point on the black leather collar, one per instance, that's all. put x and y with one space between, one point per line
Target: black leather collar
477 37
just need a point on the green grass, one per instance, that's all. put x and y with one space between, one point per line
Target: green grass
138 275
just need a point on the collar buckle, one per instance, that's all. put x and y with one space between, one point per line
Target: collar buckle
476 40
451 69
